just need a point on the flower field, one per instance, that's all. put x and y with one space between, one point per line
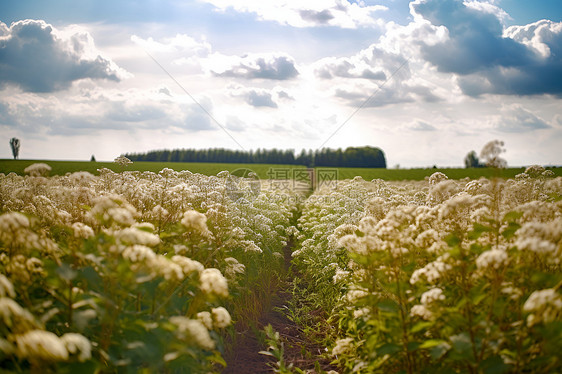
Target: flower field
149 272
438 276
129 271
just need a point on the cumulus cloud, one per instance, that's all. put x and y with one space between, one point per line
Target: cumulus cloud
343 67
98 110
516 119
520 60
297 13
39 58
284 95
256 66
181 49
256 97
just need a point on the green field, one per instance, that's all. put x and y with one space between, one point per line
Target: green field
420 174
63 167
264 171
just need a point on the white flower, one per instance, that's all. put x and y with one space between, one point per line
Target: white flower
138 253
162 266
494 258
82 230
192 330
133 235
39 344
342 346
188 265
37 169
544 305
250 246
206 319
6 347
77 344
123 161
362 312
421 311
431 296
14 316
234 267
354 295
213 282
221 317
6 287
195 221
437 177
432 271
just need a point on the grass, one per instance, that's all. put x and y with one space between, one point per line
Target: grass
420 174
264 171
63 167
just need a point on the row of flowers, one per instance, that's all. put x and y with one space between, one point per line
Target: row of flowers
129 271
444 275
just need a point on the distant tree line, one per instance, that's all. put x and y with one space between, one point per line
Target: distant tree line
367 157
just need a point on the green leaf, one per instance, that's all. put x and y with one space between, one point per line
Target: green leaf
439 350
509 232
420 326
494 365
477 299
78 367
452 240
412 346
217 358
512 216
387 306
432 343
359 233
478 230
388 349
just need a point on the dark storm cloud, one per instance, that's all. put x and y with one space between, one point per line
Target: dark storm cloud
34 58
486 60
275 67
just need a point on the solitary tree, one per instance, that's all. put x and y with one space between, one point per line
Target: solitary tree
490 153
471 160
15 144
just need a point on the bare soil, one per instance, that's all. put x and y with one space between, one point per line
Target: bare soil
298 350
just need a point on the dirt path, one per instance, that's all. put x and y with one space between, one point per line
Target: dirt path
245 357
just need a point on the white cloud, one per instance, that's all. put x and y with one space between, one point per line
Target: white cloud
297 13
178 50
39 58
274 66
256 97
419 125
93 111
516 119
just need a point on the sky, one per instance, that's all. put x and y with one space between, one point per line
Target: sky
427 81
